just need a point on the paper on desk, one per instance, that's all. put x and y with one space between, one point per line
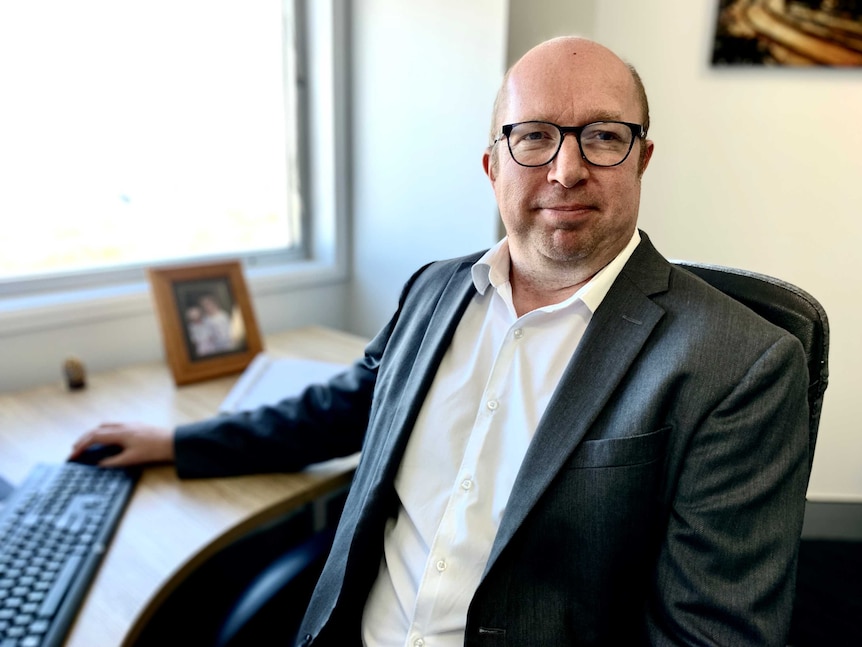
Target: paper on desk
269 379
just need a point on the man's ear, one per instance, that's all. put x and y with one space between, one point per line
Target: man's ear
646 156
489 165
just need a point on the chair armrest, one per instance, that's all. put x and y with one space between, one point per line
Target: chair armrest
283 587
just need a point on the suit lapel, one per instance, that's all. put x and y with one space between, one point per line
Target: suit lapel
617 332
431 344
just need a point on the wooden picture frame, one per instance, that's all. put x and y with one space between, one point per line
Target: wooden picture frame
206 317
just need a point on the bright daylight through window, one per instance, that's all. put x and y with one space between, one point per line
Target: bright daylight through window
140 132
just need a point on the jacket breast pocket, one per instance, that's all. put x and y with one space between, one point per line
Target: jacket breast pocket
621 452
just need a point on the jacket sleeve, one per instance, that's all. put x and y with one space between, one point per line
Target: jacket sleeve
726 570
325 421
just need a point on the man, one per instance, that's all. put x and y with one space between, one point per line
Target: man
565 440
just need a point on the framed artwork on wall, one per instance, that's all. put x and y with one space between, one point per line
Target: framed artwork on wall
207 321
791 33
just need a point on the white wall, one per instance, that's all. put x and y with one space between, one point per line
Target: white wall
757 168
425 74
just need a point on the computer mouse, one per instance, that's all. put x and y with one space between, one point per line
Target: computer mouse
95 453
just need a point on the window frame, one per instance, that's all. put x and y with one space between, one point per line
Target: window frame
322 101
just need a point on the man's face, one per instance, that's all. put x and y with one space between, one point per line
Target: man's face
568 212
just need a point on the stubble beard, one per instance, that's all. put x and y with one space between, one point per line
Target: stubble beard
563 256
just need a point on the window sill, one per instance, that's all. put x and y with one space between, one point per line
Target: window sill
54 311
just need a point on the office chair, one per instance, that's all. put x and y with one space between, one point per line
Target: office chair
289 580
788 307
277 597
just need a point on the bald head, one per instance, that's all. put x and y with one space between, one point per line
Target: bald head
560 66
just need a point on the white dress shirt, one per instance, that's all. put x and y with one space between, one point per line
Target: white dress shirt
465 451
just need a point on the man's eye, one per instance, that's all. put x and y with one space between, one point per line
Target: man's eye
535 135
602 135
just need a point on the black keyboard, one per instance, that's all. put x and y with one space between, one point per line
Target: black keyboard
53 531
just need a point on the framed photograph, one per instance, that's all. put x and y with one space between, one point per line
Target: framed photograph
207 321
788 33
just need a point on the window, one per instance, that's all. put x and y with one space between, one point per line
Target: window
135 133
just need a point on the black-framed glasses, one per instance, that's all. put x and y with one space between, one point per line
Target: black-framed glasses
602 143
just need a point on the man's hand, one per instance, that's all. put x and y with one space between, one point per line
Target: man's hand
140 443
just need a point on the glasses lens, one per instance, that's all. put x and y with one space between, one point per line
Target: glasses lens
534 143
606 143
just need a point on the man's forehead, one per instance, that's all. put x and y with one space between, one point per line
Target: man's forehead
573 91
570 63
569 53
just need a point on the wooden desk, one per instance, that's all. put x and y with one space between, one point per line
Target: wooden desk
171 526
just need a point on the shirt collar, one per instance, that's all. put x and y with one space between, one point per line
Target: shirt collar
493 270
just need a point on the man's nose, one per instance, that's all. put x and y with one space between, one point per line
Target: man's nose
568 167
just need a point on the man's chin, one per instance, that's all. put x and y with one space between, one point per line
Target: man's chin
565 245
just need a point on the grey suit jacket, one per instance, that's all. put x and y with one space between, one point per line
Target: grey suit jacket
660 501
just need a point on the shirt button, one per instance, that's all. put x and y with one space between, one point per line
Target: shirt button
493 404
418 643
466 484
518 333
441 565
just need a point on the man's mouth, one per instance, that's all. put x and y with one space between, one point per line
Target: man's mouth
568 207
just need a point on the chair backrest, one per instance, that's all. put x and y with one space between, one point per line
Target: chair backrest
786 306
